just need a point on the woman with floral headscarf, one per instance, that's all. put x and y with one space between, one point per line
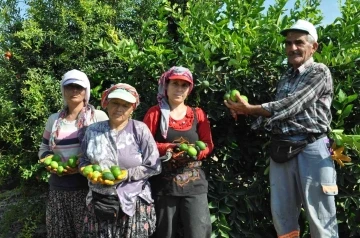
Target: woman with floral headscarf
124 209
181 189
66 208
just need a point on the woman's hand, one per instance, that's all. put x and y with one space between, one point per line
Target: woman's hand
69 170
100 180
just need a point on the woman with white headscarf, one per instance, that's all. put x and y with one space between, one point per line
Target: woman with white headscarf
125 208
66 205
180 191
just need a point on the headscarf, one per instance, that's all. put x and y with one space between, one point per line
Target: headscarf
85 115
162 97
125 86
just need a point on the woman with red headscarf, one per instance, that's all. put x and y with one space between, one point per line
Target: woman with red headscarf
124 209
180 191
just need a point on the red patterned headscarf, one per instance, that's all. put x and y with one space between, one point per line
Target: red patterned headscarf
175 72
125 86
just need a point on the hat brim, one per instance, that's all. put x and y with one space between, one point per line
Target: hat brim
75 81
122 94
284 32
180 77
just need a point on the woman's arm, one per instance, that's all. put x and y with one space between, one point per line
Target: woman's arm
83 160
45 149
151 164
204 132
151 119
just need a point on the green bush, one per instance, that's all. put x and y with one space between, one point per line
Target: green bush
233 44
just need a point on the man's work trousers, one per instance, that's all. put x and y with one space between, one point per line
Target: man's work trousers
308 180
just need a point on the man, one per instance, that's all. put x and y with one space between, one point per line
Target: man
300 112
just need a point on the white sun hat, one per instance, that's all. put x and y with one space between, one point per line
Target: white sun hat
302 25
122 94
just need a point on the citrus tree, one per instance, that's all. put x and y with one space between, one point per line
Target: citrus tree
231 45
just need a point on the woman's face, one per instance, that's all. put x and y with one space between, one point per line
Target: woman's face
119 110
177 91
74 94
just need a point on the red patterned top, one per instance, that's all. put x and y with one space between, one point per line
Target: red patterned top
152 117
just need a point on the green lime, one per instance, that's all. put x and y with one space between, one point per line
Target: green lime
115 170
96 167
56 158
205 83
244 97
54 164
200 144
192 151
88 169
183 147
233 95
60 170
96 174
72 161
227 96
47 161
108 176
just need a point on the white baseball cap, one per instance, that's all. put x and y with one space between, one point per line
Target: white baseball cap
122 94
76 77
302 25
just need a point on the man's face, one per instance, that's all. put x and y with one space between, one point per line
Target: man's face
298 48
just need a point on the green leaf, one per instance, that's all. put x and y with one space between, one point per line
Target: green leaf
351 98
213 205
341 95
224 209
346 112
213 218
224 234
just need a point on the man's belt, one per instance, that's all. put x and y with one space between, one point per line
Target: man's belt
315 136
311 138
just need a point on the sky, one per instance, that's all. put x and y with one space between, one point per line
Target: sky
329 8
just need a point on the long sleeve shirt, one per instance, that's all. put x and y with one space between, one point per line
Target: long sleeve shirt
67 144
132 148
152 120
302 103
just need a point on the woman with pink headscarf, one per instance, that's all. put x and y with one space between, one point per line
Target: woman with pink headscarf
126 208
65 210
180 191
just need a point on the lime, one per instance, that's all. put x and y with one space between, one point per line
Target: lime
227 96
56 158
115 170
192 151
200 144
245 98
96 167
205 83
60 170
96 175
233 95
114 167
183 147
123 175
54 164
72 161
47 161
88 169
108 176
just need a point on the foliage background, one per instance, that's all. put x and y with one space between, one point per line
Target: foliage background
233 44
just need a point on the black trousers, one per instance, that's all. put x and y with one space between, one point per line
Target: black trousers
189 213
